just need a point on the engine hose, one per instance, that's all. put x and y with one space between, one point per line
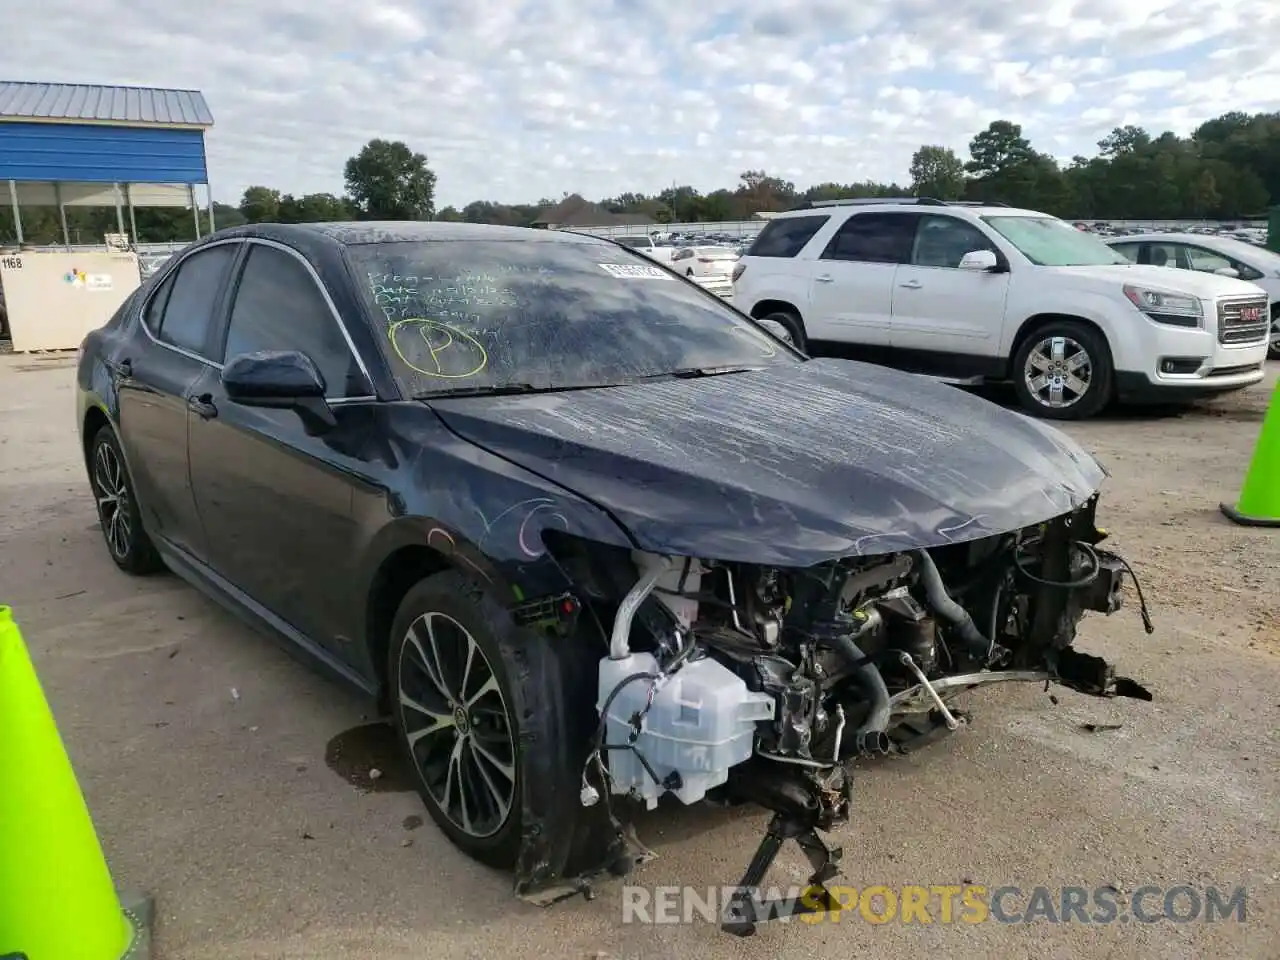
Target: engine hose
940 602
870 738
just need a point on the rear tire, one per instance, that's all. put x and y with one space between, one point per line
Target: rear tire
1063 371
794 325
118 512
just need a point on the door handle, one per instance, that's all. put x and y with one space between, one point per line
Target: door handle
912 285
202 405
824 278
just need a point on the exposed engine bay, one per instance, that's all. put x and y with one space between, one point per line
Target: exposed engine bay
734 682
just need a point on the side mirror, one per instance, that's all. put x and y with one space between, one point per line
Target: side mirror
282 380
982 260
1228 272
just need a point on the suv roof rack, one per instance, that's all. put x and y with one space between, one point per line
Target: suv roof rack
906 201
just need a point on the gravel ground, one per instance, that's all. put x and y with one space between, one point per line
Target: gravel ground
232 783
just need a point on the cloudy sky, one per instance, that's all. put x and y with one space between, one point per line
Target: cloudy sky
514 100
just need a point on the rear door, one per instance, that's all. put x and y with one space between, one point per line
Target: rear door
853 278
156 381
275 500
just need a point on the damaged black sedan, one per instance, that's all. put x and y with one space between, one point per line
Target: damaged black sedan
586 533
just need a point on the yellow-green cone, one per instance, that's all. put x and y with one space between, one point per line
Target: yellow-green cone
57 901
1259 504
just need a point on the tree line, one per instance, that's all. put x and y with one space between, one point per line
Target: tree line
1228 168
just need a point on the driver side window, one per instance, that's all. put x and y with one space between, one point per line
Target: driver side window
1206 261
943 242
278 306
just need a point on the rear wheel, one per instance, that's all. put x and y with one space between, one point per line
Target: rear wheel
793 324
117 504
1063 371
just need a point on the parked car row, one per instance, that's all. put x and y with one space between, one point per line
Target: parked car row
991 293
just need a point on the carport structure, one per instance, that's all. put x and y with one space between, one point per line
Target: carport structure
85 145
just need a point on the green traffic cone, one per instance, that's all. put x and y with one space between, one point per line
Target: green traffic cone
1259 504
57 901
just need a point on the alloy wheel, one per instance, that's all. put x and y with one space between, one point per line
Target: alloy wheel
1058 372
457 724
112 492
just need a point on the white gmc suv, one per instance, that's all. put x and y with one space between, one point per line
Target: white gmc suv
994 293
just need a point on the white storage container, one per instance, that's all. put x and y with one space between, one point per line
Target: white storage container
701 723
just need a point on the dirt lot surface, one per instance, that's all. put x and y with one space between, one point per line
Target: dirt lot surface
225 779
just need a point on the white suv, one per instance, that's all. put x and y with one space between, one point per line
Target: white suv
993 293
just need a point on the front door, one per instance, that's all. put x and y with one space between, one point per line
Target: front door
949 318
153 389
275 501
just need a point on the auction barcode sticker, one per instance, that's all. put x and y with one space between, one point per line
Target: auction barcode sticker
634 271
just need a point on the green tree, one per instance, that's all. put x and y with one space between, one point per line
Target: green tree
314 208
999 149
261 205
388 181
1006 169
760 192
1128 139
937 172
1203 197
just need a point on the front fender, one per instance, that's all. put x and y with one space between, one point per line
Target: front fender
477 511
1119 322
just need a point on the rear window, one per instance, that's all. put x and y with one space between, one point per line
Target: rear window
787 236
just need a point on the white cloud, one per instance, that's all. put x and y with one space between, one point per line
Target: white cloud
519 99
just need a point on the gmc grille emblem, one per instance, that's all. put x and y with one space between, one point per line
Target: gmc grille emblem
1251 314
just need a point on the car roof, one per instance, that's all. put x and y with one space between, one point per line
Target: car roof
908 203
1226 241
1167 237
359 232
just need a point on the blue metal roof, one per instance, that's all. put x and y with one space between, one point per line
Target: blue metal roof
80 102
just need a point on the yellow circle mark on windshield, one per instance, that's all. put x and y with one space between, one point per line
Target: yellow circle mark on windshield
453 338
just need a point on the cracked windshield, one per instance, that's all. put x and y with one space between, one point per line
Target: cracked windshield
545 315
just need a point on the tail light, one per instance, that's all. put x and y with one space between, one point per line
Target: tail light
738 268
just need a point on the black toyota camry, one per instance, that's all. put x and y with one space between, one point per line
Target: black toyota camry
586 533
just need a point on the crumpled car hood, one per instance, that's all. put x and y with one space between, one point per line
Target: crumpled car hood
790 465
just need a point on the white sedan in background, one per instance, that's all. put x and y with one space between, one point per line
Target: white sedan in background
704 261
711 267
1224 256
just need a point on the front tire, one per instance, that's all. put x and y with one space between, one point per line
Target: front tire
1273 348
1063 371
117 504
483 713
